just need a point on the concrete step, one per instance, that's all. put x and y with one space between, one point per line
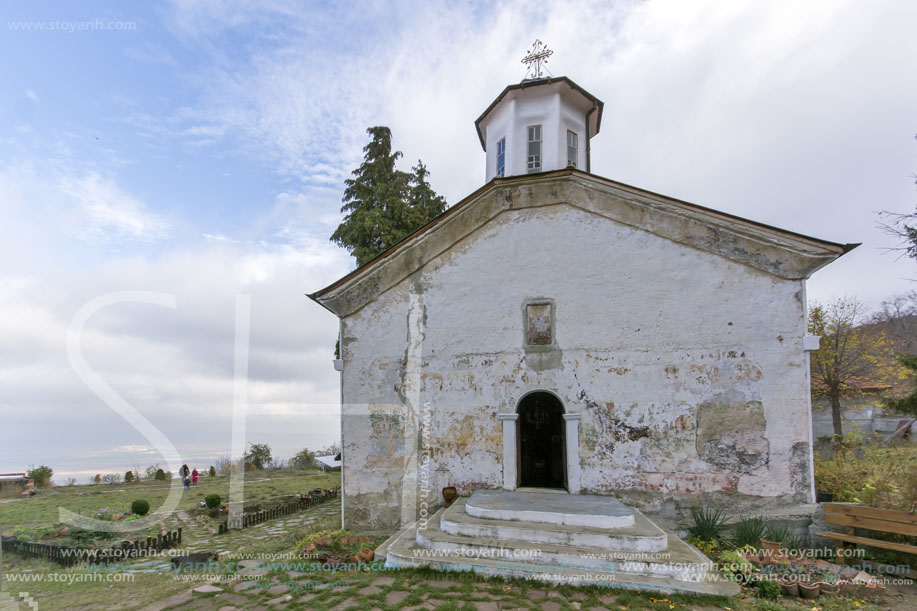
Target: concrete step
402 551
678 561
643 536
550 508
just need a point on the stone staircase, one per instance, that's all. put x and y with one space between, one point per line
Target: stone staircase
556 538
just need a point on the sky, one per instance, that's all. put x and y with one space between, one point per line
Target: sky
159 160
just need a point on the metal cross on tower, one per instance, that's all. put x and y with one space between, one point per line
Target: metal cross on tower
533 60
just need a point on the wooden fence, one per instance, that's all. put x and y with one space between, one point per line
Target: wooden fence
257 517
69 556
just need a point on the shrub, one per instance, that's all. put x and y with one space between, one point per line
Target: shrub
303 460
749 531
41 475
768 589
128 476
160 475
212 472
871 475
88 536
212 501
140 507
708 523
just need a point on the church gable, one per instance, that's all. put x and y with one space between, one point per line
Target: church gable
780 253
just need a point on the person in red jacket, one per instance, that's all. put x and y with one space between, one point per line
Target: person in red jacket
194 477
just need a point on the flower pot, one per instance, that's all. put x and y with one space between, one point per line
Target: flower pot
809 591
827 588
848 588
770 549
788 587
449 495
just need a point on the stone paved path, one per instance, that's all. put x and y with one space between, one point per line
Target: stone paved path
418 590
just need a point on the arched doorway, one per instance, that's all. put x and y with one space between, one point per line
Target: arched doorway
542 456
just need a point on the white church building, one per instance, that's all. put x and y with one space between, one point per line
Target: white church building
569 337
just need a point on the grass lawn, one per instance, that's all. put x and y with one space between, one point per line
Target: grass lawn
43 508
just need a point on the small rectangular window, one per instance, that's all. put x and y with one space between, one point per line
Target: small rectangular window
501 157
572 148
534 151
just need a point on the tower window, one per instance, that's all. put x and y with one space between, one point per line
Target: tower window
572 148
534 157
501 157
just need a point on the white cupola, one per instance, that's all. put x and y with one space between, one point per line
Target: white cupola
539 125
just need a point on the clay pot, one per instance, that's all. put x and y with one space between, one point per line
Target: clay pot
809 591
770 549
848 588
827 588
788 587
449 495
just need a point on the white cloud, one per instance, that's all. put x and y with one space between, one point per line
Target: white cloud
32 95
111 213
174 366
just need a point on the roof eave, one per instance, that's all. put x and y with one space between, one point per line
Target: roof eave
324 295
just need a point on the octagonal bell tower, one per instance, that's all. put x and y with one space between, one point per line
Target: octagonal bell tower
539 125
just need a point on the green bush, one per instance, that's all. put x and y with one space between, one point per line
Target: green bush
213 471
128 476
768 589
140 507
212 501
160 475
868 474
41 475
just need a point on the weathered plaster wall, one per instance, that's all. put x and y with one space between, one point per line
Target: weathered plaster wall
688 368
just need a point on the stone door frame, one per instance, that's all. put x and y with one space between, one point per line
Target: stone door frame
511 445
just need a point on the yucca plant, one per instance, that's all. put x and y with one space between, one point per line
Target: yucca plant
796 542
708 523
749 531
778 533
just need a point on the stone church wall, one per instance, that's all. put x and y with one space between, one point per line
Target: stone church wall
688 370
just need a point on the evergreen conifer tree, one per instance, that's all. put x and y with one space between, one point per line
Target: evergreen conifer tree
383 204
